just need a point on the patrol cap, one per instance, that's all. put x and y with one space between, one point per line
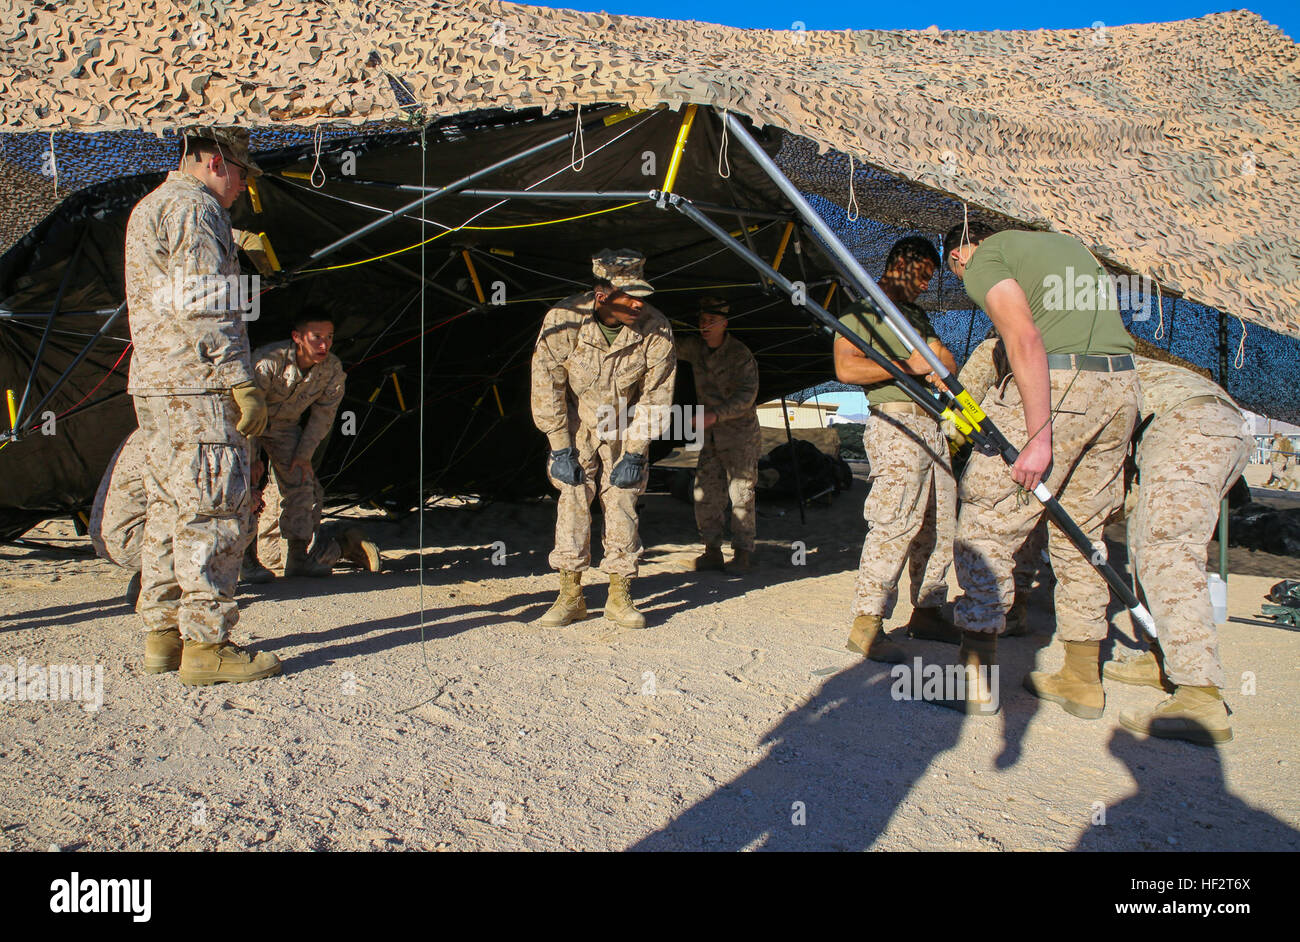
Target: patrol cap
712 304
233 140
624 269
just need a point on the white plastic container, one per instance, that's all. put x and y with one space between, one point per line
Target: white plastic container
1218 598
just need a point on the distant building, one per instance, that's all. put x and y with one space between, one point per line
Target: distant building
801 414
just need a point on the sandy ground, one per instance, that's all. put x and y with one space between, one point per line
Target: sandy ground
736 720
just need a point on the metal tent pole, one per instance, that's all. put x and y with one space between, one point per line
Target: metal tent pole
49 326
439 192
984 436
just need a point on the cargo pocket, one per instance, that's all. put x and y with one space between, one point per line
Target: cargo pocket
219 473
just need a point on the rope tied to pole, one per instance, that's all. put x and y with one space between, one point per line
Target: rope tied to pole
724 160
579 143
1160 307
851 211
54 166
317 139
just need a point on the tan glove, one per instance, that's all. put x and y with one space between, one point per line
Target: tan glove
252 409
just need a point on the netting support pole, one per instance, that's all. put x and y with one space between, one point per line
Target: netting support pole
1223 506
49 326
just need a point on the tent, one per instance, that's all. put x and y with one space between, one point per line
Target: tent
1167 148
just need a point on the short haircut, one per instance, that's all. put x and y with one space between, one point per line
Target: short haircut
301 321
913 249
974 233
200 148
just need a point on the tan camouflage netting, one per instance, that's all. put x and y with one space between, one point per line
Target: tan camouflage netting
1170 147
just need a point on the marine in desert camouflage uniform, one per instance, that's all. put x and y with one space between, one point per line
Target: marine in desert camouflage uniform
1069 406
1193 444
985 368
599 356
295 376
726 383
911 508
195 401
1279 460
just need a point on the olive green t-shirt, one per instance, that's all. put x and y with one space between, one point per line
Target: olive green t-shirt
610 332
1070 295
882 338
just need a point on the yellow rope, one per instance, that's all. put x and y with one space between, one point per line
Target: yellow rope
522 225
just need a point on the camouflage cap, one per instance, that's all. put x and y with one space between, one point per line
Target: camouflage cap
234 141
624 269
712 304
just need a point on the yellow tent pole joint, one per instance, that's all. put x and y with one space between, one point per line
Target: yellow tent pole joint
785 241
970 409
13 410
683 132
829 294
270 252
375 395
508 253
623 115
473 274
296 174
397 388
739 232
253 196
500 408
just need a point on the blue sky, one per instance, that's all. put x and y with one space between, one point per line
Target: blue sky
1004 14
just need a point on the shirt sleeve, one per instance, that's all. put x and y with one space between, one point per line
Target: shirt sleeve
322 415
265 368
688 348
987 267
550 381
200 256
741 402
656 393
871 327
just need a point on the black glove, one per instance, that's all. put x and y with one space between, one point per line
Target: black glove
565 467
627 473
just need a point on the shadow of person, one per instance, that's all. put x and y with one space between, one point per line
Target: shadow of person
835 772
1182 803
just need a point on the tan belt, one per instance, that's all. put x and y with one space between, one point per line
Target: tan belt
899 408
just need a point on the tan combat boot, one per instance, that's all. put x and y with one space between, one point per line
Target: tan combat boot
162 651
359 551
979 694
298 563
203 663
570 606
1140 671
710 560
868 638
251 569
619 608
928 624
1195 714
133 590
1017 618
743 561
1077 685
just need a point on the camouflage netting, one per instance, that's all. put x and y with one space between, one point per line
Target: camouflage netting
1167 148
